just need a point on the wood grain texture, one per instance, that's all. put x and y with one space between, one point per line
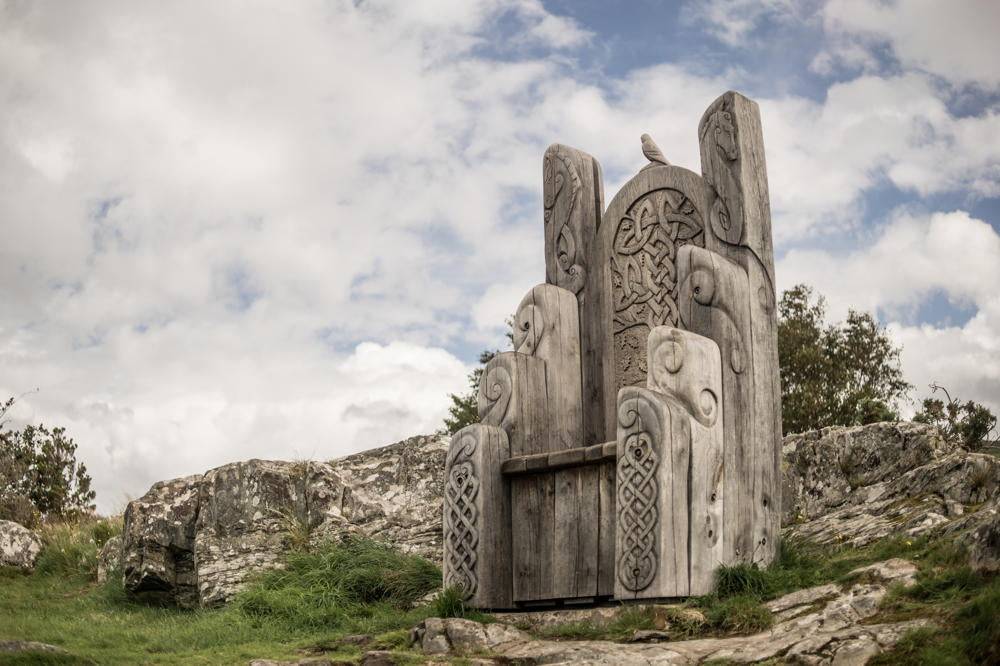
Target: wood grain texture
513 396
477 517
654 459
659 210
546 326
573 190
715 303
732 156
687 369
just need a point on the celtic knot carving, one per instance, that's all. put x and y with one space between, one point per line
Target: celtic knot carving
495 390
638 492
561 185
461 529
644 273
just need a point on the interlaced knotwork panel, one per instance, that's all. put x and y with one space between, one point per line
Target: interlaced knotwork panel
644 273
461 517
638 491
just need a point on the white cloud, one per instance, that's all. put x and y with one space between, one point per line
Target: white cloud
732 22
204 218
913 258
955 40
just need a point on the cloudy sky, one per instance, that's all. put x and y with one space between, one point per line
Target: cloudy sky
286 229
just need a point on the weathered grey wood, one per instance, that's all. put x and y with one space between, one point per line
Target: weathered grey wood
512 396
567 458
714 302
477 517
573 191
687 369
606 522
658 211
654 458
732 156
547 326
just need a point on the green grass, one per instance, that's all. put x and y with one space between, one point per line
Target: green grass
353 587
71 548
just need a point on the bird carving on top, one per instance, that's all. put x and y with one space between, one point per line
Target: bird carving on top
652 151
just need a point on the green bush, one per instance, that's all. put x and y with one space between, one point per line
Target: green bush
338 583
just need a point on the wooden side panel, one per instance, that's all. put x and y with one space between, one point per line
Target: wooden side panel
687 368
573 191
513 395
732 157
546 326
477 517
607 474
658 211
654 458
715 303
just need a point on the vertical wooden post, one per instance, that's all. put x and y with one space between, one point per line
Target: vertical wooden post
714 302
732 160
477 517
687 369
546 326
654 458
573 190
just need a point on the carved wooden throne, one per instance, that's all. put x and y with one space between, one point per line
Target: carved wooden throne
630 444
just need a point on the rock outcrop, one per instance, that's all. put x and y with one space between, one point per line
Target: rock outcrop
19 546
858 485
818 625
196 539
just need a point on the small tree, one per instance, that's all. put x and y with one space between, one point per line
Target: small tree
39 474
970 423
841 374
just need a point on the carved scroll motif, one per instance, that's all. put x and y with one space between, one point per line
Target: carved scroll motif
461 517
638 492
720 145
529 327
496 387
668 349
644 273
561 189
714 282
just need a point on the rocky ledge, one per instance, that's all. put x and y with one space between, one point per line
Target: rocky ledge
817 625
195 540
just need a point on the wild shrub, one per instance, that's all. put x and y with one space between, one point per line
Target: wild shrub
70 548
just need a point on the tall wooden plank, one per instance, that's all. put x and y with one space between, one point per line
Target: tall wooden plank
477 517
573 190
654 458
546 326
687 368
715 302
733 162
658 211
513 395
606 516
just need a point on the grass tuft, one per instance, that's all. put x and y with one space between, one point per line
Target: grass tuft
739 615
338 583
71 548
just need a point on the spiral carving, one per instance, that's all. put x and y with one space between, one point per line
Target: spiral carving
529 327
495 389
